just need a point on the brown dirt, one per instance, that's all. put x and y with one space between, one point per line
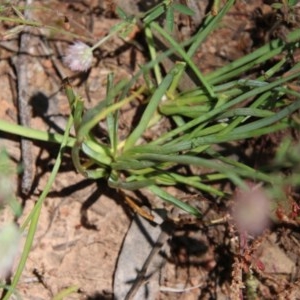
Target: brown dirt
199 261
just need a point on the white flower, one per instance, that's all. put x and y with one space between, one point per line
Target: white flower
10 237
79 57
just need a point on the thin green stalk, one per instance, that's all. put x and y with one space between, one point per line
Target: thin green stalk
35 213
271 49
173 200
66 292
268 120
208 29
210 164
92 117
222 108
113 117
151 108
185 56
193 181
150 65
35 134
189 145
153 54
40 25
230 126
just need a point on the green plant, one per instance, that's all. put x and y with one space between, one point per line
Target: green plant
204 117
229 104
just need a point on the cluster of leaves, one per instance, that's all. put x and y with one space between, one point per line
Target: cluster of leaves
217 112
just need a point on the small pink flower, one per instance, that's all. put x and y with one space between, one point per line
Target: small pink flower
251 210
79 57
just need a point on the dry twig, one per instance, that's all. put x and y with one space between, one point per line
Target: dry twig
21 67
